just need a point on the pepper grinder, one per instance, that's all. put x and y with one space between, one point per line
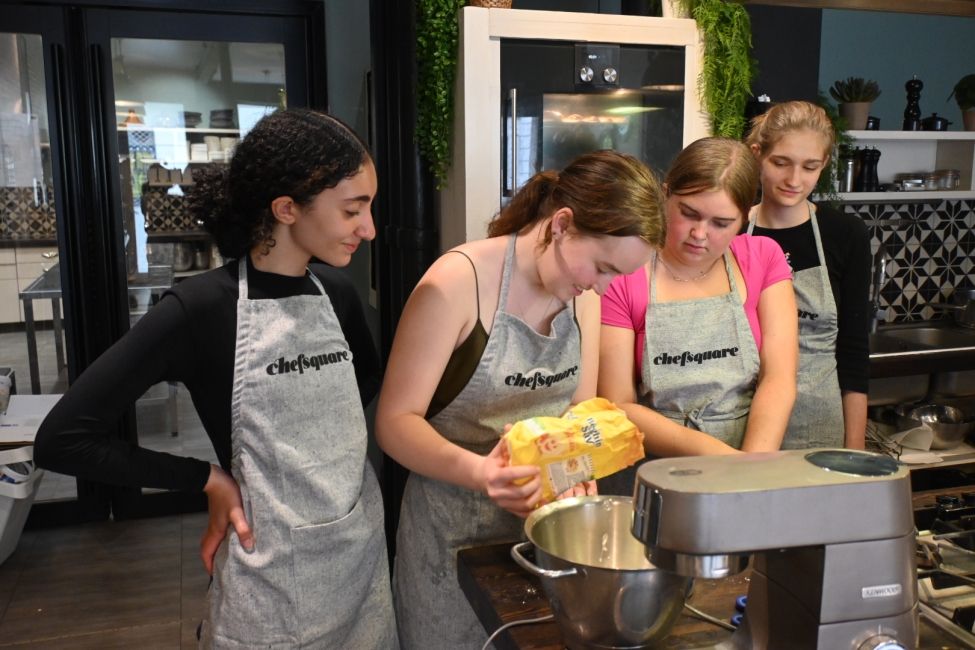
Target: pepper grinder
845 175
912 114
858 169
871 160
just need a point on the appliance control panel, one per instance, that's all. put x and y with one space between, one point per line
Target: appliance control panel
597 66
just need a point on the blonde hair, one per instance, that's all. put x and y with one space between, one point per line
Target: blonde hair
716 164
609 193
769 127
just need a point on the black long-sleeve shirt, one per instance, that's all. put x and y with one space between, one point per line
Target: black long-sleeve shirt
189 336
846 245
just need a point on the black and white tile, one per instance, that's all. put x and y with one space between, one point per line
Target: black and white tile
931 245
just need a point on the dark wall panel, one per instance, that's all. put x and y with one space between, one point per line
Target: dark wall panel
785 42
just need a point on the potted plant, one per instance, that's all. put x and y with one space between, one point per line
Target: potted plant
854 96
964 94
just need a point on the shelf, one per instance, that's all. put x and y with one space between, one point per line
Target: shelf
911 135
901 197
191 272
185 129
158 237
918 153
154 161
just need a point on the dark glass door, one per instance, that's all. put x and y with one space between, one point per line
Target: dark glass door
36 318
106 113
562 99
177 93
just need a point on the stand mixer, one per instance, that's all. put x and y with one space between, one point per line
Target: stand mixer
831 532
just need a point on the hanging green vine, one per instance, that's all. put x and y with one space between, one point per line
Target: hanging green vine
725 83
436 55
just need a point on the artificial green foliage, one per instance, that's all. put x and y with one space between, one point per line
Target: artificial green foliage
826 187
964 92
436 54
854 89
726 76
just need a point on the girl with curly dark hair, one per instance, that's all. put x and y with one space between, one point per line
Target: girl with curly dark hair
271 349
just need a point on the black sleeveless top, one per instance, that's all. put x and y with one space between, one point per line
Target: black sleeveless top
463 361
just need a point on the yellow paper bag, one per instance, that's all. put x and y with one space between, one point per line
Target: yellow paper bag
592 440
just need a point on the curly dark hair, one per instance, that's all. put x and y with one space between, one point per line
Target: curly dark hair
294 152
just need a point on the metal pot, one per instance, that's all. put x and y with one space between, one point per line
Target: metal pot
182 257
603 591
948 423
935 123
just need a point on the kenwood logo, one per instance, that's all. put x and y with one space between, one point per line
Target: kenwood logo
301 363
686 357
538 377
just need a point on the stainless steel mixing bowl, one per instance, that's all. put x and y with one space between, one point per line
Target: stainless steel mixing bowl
602 589
948 423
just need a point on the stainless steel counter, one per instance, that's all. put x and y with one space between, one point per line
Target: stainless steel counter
921 348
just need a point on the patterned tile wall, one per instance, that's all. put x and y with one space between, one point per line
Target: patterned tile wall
931 245
27 215
165 212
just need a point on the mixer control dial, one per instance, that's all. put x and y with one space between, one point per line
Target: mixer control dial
610 75
881 642
585 73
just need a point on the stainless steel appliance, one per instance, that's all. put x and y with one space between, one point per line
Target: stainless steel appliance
564 99
831 533
535 88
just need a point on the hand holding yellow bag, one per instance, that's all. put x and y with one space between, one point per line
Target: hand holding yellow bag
592 440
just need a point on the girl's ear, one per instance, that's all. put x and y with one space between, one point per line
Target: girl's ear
285 210
561 221
756 150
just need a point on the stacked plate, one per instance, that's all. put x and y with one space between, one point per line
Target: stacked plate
198 152
222 118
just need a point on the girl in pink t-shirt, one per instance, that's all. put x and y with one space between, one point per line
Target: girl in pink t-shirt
700 346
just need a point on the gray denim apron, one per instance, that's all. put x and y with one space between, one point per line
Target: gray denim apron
817 417
317 577
515 379
699 369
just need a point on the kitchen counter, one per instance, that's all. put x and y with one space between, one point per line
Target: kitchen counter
501 592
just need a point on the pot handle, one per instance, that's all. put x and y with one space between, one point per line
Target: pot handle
531 567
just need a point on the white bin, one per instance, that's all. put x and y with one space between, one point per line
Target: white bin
16 499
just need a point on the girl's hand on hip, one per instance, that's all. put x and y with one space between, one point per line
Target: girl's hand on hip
496 479
226 509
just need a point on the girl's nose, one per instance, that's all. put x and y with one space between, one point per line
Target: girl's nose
367 228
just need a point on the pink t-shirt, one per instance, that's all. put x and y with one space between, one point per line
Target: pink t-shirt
762 264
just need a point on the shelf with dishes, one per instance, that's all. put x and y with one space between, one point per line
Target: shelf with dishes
181 129
925 164
160 175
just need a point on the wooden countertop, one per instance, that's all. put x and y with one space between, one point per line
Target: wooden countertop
500 592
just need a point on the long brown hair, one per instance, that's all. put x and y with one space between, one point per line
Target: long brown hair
609 193
716 164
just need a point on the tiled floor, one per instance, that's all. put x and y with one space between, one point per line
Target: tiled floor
132 584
